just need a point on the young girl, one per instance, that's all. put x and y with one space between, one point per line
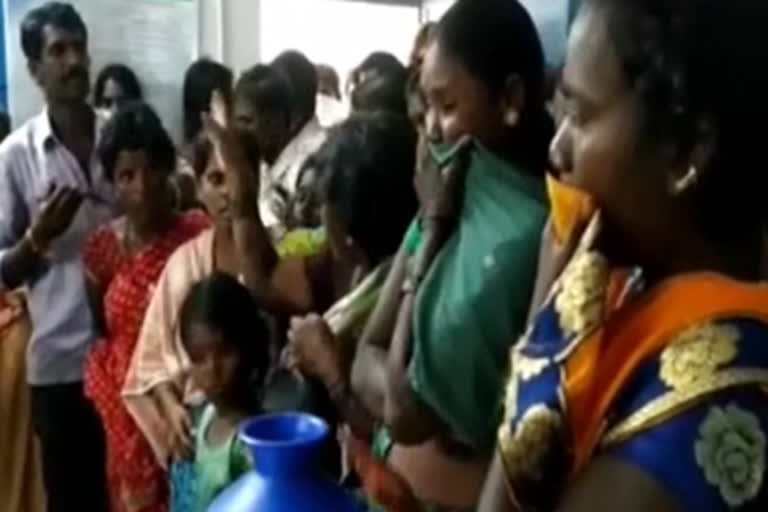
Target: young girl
227 339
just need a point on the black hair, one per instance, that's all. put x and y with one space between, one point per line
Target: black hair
225 306
328 76
57 14
694 62
302 77
123 76
494 40
266 89
369 161
380 63
199 152
382 93
201 79
136 126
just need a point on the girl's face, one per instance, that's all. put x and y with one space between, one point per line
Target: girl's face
457 102
137 185
113 97
213 192
215 364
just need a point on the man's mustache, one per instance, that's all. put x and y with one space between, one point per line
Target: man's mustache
77 72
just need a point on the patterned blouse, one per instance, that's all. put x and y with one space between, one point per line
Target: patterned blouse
670 379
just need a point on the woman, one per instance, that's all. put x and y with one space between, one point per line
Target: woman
360 240
155 392
431 364
367 159
123 261
640 385
116 85
21 479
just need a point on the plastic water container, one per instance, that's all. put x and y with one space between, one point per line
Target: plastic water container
285 477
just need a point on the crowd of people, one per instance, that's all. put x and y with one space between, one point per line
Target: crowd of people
503 296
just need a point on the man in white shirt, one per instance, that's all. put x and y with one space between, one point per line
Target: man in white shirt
330 108
285 129
52 194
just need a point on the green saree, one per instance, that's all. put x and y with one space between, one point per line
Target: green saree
472 305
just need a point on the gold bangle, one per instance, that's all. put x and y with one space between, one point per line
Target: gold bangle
407 286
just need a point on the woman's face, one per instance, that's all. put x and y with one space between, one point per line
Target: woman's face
137 185
458 103
599 146
213 192
214 363
113 97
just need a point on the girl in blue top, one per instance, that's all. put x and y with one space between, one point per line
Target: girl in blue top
226 336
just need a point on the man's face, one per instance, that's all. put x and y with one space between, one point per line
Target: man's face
63 68
268 127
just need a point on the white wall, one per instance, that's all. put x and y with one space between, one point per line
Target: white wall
434 9
337 32
229 32
241 33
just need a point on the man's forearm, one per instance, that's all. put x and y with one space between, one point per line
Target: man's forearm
19 263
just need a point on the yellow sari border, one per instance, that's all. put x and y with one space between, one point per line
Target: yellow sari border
670 404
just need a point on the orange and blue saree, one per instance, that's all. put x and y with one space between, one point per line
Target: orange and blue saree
670 378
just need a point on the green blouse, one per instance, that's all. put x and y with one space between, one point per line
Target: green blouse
216 465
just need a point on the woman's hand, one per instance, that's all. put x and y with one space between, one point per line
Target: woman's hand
227 146
231 157
313 350
440 191
182 444
178 421
220 109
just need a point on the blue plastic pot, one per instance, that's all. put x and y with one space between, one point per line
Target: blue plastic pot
285 478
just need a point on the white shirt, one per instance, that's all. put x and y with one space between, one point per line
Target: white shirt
330 111
279 182
31 160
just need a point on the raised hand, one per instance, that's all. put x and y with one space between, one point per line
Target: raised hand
313 349
440 189
219 108
56 215
230 155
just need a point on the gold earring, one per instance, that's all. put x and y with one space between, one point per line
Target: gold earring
687 181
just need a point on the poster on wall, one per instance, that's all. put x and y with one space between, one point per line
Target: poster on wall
158 39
